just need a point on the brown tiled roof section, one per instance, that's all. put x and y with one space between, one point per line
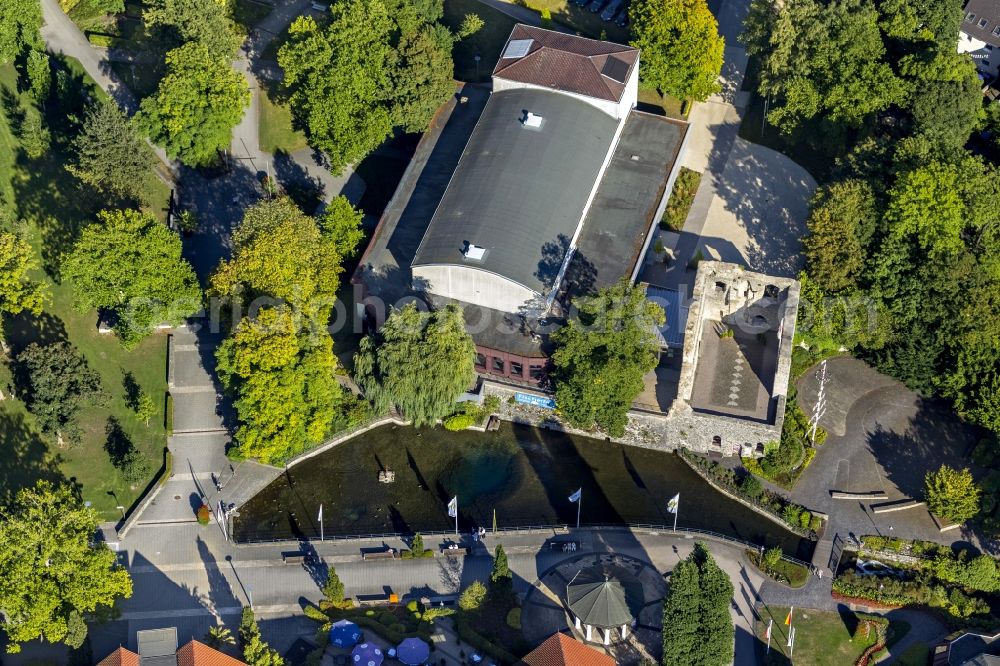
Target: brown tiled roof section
566 62
120 657
561 650
196 653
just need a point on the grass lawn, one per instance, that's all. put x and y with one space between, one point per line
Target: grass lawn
822 638
652 101
486 43
915 655
789 573
679 205
275 127
581 19
55 207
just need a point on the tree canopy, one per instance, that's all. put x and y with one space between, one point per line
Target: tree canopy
130 263
602 355
20 23
681 46
282 253
419 362
952 494
53 574
110 155
375 65
821 59
197 104
697 627
18 291
57 382
203 21
279 363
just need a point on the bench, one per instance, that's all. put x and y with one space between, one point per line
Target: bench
297 557
461 551
379 555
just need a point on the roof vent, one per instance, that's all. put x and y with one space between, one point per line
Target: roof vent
474 252
517 48
531 120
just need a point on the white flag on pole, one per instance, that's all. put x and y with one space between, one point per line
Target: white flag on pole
575 497
674 503
320 518
453 507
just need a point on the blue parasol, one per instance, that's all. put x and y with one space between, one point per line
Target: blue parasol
344 634
367 654
413 652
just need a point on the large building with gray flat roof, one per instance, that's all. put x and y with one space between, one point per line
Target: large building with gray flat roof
557 191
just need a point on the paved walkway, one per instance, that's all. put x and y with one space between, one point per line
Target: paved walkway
752 202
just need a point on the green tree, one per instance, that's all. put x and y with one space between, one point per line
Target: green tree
218 637
376 64
472 597
471 24
203 21
841 224
18 292
52 573
333 589
282 253
20 23
501 578
339 77
59 383
341 223
681 46
922 20
287 396
256 652
39 74
419 362
110 155
945 100
696 610
821 59
602 355
145 408
772 556
34 135
423 77
952 494
130 263
197 104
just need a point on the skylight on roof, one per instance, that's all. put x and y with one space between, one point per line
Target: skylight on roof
615 69
474 252
518 48
532 120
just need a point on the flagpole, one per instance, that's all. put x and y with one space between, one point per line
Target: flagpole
456 515
579 503
769 624
677 509
321 522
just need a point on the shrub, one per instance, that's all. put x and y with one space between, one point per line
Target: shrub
491 404
772 556
413 605
333 588
398 628
791 513
314 613
679 203
751 486
204 514
460 421
472 597
514 618
432 614
468 634
805 519
386 619
952 494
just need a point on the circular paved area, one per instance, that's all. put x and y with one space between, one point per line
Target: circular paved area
883 437
544 611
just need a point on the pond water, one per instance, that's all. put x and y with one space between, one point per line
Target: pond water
524 474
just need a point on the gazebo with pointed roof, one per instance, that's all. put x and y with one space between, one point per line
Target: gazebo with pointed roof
598 599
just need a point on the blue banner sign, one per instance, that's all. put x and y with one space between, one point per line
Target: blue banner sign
535 400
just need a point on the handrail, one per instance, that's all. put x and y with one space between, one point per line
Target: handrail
564 528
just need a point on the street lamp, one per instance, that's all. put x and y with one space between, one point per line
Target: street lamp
250 595
122 509
477 58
